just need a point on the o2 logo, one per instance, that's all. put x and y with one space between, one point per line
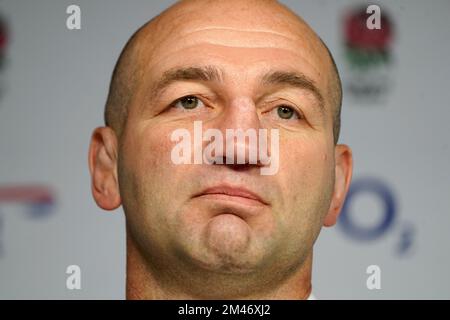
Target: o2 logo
38 200
382 193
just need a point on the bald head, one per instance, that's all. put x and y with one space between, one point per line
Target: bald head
189 16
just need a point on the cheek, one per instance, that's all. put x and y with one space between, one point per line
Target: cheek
305 171
304 158
150 181
150 149
306 179
147 157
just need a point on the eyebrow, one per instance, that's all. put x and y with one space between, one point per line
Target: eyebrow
294 79
205 73
213 74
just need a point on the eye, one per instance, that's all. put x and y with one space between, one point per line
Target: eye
188 102
286 112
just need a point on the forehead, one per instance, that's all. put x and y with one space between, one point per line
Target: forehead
241 41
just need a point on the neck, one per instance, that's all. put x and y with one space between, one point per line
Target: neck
144 283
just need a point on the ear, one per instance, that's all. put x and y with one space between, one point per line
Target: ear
343 176
103 168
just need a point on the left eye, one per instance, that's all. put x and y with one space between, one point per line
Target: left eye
188 103
286 112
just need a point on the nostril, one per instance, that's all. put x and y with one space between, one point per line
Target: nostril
219 160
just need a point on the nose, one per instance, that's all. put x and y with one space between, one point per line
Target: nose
242 143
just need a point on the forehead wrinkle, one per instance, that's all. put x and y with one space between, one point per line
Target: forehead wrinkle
250 38
243 30
191 18
169 31
164 54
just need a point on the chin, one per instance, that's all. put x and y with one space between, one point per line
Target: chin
218 237
225 244
227 263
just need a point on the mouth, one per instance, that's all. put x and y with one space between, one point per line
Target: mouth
233 194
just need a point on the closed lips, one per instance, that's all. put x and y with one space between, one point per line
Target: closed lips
232 192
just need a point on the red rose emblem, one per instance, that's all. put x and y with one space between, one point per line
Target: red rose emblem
359 36
3 38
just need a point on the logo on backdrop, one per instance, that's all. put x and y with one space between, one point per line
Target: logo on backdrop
3 43
368 34
36 201
359 225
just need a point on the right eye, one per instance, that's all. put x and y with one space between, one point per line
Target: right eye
188 103
286 112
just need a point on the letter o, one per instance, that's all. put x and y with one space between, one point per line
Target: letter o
380 190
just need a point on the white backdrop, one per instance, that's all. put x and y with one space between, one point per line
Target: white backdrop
54 83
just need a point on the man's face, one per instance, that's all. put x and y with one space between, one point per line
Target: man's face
167 214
